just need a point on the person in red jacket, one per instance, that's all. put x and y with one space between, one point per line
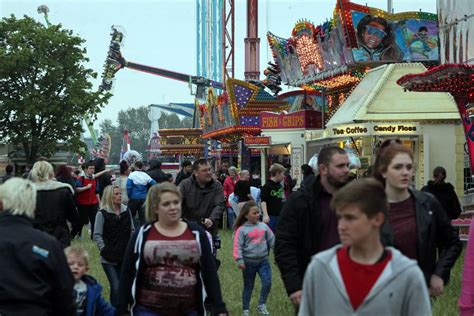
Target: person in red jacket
87 199
229 186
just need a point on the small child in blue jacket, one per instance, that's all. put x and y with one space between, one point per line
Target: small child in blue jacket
87 291
252 242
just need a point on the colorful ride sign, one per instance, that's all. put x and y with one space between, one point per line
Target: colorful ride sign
305 119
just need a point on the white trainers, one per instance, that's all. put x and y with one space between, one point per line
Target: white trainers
246 313
262 310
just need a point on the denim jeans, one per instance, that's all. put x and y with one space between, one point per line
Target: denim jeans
264 270
139 310
273 222
112 271
230 217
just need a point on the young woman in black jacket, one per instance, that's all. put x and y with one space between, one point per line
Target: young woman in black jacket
416 216
112 230
168 265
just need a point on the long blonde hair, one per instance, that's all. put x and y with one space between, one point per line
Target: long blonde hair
42 171
107 201
153 198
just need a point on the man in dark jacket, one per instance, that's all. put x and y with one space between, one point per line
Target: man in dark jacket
155 171
35 277
186 172
444 193
203 197
307 224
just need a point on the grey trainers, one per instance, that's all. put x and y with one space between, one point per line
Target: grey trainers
246 313
262 310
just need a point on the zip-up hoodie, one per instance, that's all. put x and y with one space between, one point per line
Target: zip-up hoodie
137 185
208 281
252 242
399 290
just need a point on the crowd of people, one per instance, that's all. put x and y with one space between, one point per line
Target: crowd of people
373 245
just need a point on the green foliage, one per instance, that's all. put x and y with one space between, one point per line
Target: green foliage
278 302
136 121
44 87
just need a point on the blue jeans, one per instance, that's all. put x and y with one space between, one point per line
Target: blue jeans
273 222
264 270
230 217
139 310
112 271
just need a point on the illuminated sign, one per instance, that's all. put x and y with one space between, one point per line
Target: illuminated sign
301 119
257 140
356 130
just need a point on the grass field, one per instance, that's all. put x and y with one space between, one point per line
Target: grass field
278 302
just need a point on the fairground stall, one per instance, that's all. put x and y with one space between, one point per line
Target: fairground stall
228 118
378 109
333 58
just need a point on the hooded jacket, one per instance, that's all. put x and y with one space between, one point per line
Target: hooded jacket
35 278
95 303
155 171
298 234
54 206
434 231
399 290
137 185
111 236
208 280
445 194
252 242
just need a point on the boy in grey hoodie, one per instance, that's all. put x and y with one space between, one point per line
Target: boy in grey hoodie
361 277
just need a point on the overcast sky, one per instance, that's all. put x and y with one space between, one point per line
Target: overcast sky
161 33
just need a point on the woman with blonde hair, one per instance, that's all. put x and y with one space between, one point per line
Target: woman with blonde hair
54 204
168 267
112 231
35 278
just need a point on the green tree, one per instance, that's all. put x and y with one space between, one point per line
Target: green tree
171 120
44 87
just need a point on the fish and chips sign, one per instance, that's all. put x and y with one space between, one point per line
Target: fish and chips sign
357 130
306 119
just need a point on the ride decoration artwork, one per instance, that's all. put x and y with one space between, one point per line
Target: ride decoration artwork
356 33
457 79
102 147
222 100
132 156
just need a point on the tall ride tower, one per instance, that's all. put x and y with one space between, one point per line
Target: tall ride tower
252 43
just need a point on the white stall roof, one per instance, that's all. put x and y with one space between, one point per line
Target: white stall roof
378 97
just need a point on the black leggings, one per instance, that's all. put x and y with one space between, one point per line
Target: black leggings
87 214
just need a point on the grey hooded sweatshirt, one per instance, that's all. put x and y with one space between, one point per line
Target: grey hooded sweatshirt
400 289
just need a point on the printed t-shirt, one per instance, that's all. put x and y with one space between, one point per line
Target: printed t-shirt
167 283
272 194
79 294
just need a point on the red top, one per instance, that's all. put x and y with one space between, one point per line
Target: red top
402 218
229 186
359 278
87 197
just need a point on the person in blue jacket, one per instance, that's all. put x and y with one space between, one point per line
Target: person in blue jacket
87 291
138 183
